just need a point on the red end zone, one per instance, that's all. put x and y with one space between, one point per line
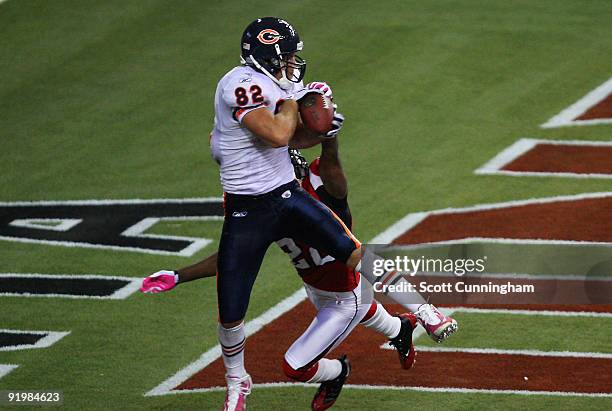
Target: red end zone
374 366
583 218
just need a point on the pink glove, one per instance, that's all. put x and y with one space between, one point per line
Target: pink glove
322 87
159 282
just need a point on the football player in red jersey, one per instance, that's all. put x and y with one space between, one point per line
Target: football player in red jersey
342 301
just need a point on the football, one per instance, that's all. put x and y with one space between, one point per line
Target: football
317 112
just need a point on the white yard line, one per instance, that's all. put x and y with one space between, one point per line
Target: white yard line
215 352
532 312
533 353
567 116
411 220
408 388
523 145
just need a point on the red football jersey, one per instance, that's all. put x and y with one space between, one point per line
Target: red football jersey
317 268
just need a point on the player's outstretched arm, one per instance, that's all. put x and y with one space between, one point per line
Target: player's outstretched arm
331 171
166 280
275 129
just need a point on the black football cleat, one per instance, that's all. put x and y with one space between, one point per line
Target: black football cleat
328 391
403 342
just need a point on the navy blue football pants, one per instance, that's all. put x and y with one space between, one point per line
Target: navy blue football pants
252 223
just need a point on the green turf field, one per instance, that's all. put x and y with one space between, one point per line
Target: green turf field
114 100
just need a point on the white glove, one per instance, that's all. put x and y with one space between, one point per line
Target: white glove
337 124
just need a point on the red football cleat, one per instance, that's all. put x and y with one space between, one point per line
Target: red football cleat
328 391
403 342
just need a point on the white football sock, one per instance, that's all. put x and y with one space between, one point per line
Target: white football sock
411 300
328 370
384 323
232 346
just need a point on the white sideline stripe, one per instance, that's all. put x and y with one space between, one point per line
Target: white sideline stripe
6 368
397 229
112 202
412 219
523 145
215 352
532 312
533 353
57 224
409 388
508 155
566 117
51 338
491 240
545 174
119 294
514 276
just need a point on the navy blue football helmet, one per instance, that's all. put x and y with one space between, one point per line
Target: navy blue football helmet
267 44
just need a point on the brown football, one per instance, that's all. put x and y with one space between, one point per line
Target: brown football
317 112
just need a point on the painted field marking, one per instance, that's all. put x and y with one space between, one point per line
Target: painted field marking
413 219
132 285
568 116
534 353
6 368
524 145
139 223
387 236
50 338
550 313
408 388
289 303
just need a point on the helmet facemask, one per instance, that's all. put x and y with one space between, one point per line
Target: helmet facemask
291 66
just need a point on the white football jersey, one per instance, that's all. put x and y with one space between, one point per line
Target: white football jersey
248 164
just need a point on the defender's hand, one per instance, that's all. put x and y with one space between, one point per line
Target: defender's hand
337 124
159 282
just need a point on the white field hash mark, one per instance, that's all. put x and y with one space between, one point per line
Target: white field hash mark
567 117
524 145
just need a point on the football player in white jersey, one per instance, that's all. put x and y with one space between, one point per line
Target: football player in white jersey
327 281
256 119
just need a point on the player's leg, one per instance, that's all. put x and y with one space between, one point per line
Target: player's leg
315 224
438 325
338 314
242 248
398 329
